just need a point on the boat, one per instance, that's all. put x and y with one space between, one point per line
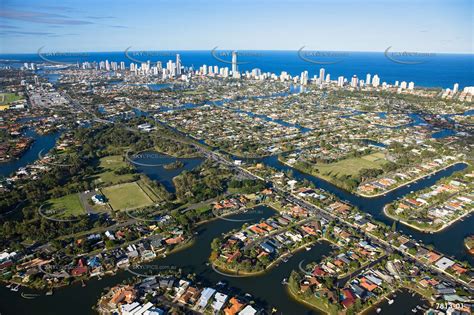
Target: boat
414 310
29 296
308 248
9 285
284 281
378 310
390 302
50 292
15 289
285 259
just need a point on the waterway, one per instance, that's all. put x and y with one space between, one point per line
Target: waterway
449 241
194 259
152 164
42 143
78 300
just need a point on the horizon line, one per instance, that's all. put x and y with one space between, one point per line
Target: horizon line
237 50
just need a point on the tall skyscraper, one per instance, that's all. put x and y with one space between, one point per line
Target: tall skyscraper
455 88
321 75
178 65
367 79
376 81
354 81
340 81
234 63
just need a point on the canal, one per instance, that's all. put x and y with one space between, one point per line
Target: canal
449 241
268 288
41 143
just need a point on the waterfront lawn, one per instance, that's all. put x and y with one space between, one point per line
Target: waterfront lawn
309 298
352 166
108 165
64 207
126 196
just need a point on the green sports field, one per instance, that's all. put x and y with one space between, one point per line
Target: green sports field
126 196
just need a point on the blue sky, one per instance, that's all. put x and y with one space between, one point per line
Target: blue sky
342 25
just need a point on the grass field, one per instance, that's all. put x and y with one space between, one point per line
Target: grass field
126 196
7 98
63 207
108 165
352 166
148 191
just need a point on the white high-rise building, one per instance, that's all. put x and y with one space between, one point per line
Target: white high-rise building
455 88
321 75
411 85
328 78
234 64
376 81
304 78
122 65
340 81
367 79
354 81
178 65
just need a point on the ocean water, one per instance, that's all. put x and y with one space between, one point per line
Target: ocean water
427 70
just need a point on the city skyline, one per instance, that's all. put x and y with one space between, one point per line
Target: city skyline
446 27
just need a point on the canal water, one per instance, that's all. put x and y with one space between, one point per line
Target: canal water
78 300
153 165
449 241
404 303
42 143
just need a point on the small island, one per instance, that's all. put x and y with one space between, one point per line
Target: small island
174 165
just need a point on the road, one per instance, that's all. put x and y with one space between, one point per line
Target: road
316 211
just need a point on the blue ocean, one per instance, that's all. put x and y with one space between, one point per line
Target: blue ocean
426 70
